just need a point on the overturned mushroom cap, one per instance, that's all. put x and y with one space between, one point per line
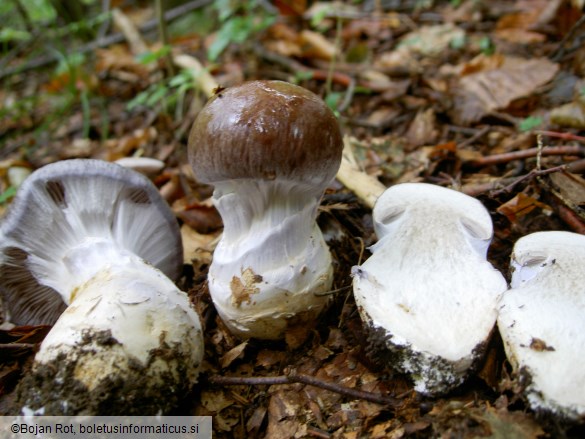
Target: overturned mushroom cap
542 321
64 205
128 342
427 294
266 130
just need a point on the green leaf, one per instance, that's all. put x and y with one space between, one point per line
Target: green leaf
303 76
487 46
530 123
157 95
236 29
10 34
139 100
332 99
181 78
7 194
149 57
458 42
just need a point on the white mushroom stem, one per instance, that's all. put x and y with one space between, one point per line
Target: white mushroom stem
272 261
542 320
427 293
126 322
142 311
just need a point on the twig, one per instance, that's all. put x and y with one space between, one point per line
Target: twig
564 136
560 51
476 189
16 346
150 25
571 219
474 137
535 173
497 159
308 380
105 26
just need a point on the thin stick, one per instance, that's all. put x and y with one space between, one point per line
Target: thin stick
532 174
304 379
506 157
564 136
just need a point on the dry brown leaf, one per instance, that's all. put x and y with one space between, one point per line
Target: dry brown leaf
215 400
422 130
571 188
229 357
255 421
200 216
431 40
570 115
315 45
504 424
519 206
267 358
283 410
489 90
196 246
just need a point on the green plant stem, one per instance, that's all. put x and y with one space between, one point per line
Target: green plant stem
163 35
86 110
336 45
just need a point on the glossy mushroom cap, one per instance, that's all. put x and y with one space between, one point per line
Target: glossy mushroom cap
266 130
66 221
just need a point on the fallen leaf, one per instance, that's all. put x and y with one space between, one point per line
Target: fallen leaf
422 130
196 246
520 206
232 354
431 40
504 424
480 93
570 115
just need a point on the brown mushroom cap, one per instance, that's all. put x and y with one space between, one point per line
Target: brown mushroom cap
266 130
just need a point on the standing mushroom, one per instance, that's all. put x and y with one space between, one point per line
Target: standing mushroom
427 294
98 239
542 321
270 148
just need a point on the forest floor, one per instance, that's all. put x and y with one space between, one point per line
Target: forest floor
484 97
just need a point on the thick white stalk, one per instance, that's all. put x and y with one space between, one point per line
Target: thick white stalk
272 261
128 335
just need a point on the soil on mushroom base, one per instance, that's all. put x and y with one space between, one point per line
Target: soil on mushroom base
54 386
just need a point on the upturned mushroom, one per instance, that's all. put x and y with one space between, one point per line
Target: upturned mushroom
91 247
427 295
270 149
542 321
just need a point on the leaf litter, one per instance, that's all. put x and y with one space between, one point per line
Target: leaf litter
440 94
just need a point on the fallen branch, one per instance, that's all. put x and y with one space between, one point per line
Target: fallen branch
532 174
506 157
560 135
304 379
